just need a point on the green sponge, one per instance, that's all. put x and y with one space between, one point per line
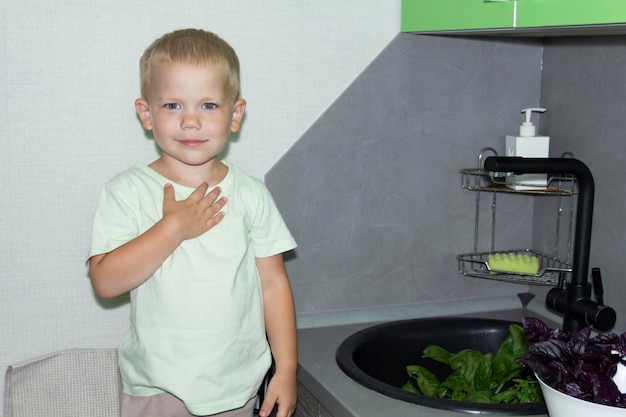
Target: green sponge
513 262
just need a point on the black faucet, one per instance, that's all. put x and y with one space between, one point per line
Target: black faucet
574 301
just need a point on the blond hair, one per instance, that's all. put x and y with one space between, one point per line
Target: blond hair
194 47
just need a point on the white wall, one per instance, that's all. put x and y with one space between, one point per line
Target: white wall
68 79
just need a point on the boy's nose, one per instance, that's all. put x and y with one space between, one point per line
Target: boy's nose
191 121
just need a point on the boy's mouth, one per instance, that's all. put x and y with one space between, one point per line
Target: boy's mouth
192 143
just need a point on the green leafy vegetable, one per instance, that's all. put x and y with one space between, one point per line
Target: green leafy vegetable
479 377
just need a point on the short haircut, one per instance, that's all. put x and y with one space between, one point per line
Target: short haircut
194 47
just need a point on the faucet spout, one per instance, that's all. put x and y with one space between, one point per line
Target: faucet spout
574 303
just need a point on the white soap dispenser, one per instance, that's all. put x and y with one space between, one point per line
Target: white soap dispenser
528 145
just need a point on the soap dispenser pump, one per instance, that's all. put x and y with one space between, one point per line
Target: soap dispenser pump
527 145
527 128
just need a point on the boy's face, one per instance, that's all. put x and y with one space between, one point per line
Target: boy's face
190 112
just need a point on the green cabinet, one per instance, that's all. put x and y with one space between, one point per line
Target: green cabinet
431 16
537 13
443 15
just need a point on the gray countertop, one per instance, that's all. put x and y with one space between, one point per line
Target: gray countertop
319 373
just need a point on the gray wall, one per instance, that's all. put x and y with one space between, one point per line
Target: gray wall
372 190
584 89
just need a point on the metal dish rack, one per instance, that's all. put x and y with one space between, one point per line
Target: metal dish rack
552 270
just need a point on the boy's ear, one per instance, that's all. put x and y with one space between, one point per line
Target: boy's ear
238 109
143 110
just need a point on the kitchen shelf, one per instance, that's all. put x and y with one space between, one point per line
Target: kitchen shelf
477 179
552 270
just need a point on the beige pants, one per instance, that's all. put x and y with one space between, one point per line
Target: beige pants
167 405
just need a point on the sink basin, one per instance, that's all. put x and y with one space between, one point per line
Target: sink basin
377 357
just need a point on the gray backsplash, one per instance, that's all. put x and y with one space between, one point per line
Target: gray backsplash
584 90
372 190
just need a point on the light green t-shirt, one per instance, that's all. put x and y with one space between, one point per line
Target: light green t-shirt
197 328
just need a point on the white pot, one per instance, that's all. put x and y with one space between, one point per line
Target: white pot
563 405
620 378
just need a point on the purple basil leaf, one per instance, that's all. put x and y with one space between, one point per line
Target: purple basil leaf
576 365
605 339
620 344
604 390
582 336
574 389
536 330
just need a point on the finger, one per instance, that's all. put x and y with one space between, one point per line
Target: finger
198 193
168 193
214 220
283 411
267 407
213 195
216 206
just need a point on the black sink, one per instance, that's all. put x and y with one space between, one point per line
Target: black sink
377 357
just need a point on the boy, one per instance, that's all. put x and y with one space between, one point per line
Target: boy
198 243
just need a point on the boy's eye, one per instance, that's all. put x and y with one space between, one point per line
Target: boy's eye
172 106
209 106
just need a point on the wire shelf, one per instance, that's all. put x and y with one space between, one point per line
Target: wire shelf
551 270
477 179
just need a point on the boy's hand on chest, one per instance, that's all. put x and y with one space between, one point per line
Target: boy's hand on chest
195 215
